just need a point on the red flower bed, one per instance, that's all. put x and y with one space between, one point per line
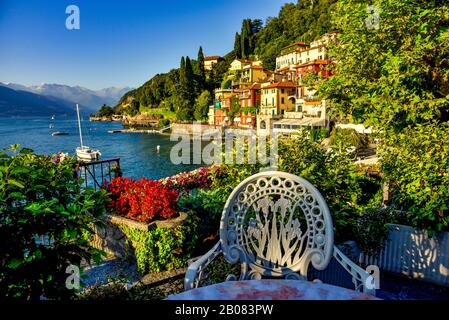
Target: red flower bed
147 200
143 200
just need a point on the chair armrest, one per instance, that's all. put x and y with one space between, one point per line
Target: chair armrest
359 275
196 267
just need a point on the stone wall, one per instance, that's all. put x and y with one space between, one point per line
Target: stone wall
112 240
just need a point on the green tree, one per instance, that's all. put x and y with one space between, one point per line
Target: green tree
246 38
105 111
396 75
202 105
201 71
134 108
238 46
233 110
393 73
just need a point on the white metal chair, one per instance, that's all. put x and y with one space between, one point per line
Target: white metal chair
278 225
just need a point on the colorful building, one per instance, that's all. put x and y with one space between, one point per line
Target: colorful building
277 98
210 61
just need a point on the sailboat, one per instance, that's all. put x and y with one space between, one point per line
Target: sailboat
84 153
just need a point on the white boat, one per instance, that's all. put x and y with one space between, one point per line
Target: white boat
84 153
60 133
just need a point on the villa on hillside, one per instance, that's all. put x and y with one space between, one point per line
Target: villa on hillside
210 61
239 64
277 100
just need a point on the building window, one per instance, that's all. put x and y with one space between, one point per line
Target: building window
272 101
266 101
282 100
282 90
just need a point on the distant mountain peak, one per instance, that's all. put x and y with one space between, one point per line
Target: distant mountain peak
91 100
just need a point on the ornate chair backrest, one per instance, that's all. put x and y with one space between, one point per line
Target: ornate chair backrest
276 224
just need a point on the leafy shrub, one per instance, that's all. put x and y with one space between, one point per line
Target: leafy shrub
416 162
143 200
45 217
162 249
372 230
345 190
343 139
317 134
163 122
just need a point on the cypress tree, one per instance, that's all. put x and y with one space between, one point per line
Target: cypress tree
183 63
202 72
246 33
238 46
189 71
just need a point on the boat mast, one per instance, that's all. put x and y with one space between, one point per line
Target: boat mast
79 124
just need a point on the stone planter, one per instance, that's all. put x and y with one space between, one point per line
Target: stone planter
113 241
411 252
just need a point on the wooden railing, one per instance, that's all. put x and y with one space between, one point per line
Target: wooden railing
95 173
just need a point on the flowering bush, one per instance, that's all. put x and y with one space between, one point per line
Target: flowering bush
143 200
60 157
200 178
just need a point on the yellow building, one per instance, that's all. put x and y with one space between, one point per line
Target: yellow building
210 61
240 64
277 98
251 74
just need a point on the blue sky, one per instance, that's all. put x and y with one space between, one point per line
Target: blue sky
120 43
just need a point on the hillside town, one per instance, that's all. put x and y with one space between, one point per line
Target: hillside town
281 100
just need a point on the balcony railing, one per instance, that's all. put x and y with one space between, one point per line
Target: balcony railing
95 173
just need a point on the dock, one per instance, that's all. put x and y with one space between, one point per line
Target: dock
161 131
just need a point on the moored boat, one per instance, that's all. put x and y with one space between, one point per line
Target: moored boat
85 153
60 133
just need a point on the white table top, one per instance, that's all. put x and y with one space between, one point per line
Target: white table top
266 289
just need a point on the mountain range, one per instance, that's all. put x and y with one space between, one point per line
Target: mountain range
47 99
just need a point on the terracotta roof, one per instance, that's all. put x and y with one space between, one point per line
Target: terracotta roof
255 86
312 102
295 44
310 63
310 48
270 71
284 68
245 61
285 84
208 58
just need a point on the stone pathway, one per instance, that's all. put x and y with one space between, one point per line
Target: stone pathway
111 269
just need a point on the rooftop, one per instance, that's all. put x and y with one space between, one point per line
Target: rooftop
209 58
284 84
298 43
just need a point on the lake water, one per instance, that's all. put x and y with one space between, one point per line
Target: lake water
137 151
